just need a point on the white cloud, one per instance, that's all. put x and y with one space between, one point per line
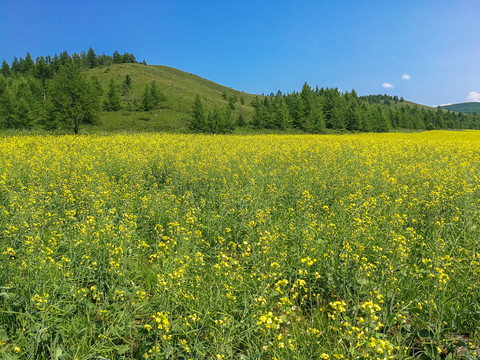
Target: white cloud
387 85
473 97
406 77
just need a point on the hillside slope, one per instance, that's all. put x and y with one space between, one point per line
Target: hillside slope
466 108
179 88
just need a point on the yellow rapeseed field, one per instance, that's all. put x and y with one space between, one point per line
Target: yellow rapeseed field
155 246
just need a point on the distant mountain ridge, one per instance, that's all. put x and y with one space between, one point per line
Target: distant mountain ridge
466 108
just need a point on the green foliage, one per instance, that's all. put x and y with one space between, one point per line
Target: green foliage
72 100
127 85
5 69
168 94
92 60
113 100
330 110
197 121
152 97
216 121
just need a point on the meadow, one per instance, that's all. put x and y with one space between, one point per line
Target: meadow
170 246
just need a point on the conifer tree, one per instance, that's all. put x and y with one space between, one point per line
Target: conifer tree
147 98
15 66
113 101
283 120
28 66
127 84
8 115
92 60
296 109
65 58
241 120
315 122
43 72
156 95
197 121
5 69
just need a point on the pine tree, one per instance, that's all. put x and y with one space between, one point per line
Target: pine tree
259 113
156 95
241 120
296 109
28 66
92 60
43 72
308 97
219 121
147 102
113 101
315 122
16 67
283 120
7 105
65 58
5 69
117 58
127 84
197 121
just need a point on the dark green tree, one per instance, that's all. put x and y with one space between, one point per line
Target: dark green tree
147 101
8 115
71 99
283 120
297 110
242 119
113 101
127 84
197 121
28 66
315 121
43 72
156 94
117 58
5 69
15 66
92 60
65 58
219 121
260 114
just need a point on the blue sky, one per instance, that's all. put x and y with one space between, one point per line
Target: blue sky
263 46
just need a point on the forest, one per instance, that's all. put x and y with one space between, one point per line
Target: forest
319 110
55 92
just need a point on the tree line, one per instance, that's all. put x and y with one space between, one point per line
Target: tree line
327 109
46 67
55 92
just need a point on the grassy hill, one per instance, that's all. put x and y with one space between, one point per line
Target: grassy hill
466 108
179 88
410 103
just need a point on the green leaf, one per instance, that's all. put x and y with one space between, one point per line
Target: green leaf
229 350
3 335
425 333
58 352
122 349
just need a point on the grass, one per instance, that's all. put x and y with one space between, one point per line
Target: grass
180 89
178 246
